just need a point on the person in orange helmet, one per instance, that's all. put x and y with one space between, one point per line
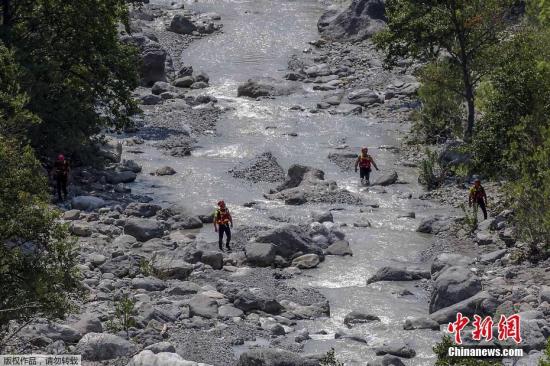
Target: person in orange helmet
222 223
364 161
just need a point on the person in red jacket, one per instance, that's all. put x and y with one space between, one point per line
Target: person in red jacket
364 161
222 221
61 175
478 198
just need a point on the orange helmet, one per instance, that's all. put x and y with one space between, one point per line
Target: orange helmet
221 203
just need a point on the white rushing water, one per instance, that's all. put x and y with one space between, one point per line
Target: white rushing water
258 38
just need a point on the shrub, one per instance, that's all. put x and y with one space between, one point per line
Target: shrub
330 359
431 174
441 350
441 114
37 256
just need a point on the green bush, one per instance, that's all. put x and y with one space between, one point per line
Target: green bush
441 114
37 257
545 359
330 359
431 174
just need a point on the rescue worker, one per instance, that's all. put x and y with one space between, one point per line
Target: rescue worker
61 175
222 220
478 197
364 161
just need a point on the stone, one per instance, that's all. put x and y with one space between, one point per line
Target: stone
453 285
263 87
318 70
141 209
149 358
153 65
87 203
165 171
273 357
361 20
151 99
80 229
110 149
71 215
493 256
286 239
467 307
184 288
144 229
260 254
88 323
202 77
339 247
346 109
306 261
357 317
51 331
256 299
199 85
228 311
397 348
484 238
171 268
181 25
421 323
544 294
103 346
148 284
446 260
214 259
131 165
385 180
387 360
392 273
364 97
161 347
204 306
116 177
433 225
184 82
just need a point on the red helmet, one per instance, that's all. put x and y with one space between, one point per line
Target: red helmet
221 203
364 149
61 157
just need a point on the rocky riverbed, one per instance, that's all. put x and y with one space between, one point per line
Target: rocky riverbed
268 115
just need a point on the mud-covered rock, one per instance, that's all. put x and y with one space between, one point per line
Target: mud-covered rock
261 168
265 86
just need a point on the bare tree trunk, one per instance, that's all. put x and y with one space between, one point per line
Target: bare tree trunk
468 132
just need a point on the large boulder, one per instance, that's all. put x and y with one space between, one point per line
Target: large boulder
339 247
103 346
420 323
306 261
116 177
265 86
172 268
261 168
181 25
273 357
286 240
358 317
138 209
453 285
446 260
54 331
260 254
468 307
204 306
213 259
364 97
398 348
87 203
110 150
392 273
360 20
386 179
144 229
256 299
152 66
149 358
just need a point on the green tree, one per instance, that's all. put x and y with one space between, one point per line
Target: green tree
441 114
37 258
441 351
15 119
77 74
464 32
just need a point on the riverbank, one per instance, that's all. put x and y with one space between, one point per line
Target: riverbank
280 150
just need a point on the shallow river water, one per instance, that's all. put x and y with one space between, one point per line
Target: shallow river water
257 40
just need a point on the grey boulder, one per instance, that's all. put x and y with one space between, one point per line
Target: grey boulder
103 346
144 229
453 285
87 203
391 273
